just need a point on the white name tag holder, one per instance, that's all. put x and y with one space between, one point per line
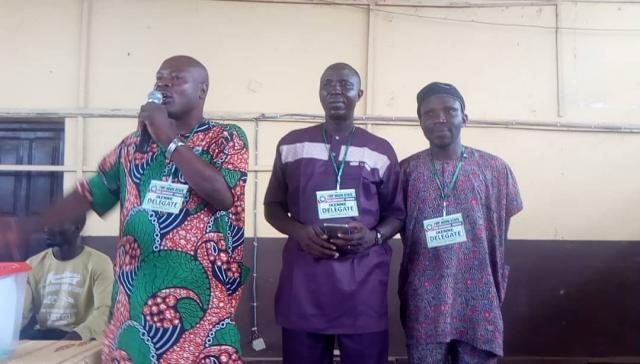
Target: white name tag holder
444 230
165 197
337 203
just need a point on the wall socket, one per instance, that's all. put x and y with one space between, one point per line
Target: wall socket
258 344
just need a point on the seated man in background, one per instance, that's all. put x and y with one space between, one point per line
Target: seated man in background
68 289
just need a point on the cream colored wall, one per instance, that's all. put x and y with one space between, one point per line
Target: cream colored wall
267 58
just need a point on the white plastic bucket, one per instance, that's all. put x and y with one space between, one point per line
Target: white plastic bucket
13 282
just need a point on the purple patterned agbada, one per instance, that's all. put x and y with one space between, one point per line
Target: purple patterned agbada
454 292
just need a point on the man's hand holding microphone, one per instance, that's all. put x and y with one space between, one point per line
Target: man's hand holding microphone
154 122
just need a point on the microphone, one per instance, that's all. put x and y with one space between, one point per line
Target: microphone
155 97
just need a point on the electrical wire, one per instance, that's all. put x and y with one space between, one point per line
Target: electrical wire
480 22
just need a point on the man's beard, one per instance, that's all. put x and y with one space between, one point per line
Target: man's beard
341 117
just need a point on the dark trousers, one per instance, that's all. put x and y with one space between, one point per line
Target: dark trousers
299 347
48 334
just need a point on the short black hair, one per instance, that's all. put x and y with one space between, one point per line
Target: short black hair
344 65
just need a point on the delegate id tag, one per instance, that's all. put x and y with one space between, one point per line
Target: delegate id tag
445 230
165 197
337 203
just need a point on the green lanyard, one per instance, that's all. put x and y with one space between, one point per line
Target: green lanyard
333 159
173 165
445 193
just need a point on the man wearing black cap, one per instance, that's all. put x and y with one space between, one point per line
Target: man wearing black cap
459 201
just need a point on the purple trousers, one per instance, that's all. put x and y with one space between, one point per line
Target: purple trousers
299 347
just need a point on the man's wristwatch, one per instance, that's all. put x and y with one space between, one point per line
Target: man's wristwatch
175 143
378 237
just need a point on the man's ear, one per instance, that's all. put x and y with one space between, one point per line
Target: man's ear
204 89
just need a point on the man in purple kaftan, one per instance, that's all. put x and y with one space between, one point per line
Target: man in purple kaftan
334 288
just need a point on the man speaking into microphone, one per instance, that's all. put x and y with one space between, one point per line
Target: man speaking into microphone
181 196
154 97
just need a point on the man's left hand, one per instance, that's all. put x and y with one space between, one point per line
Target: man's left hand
158 124
74 336
359 239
